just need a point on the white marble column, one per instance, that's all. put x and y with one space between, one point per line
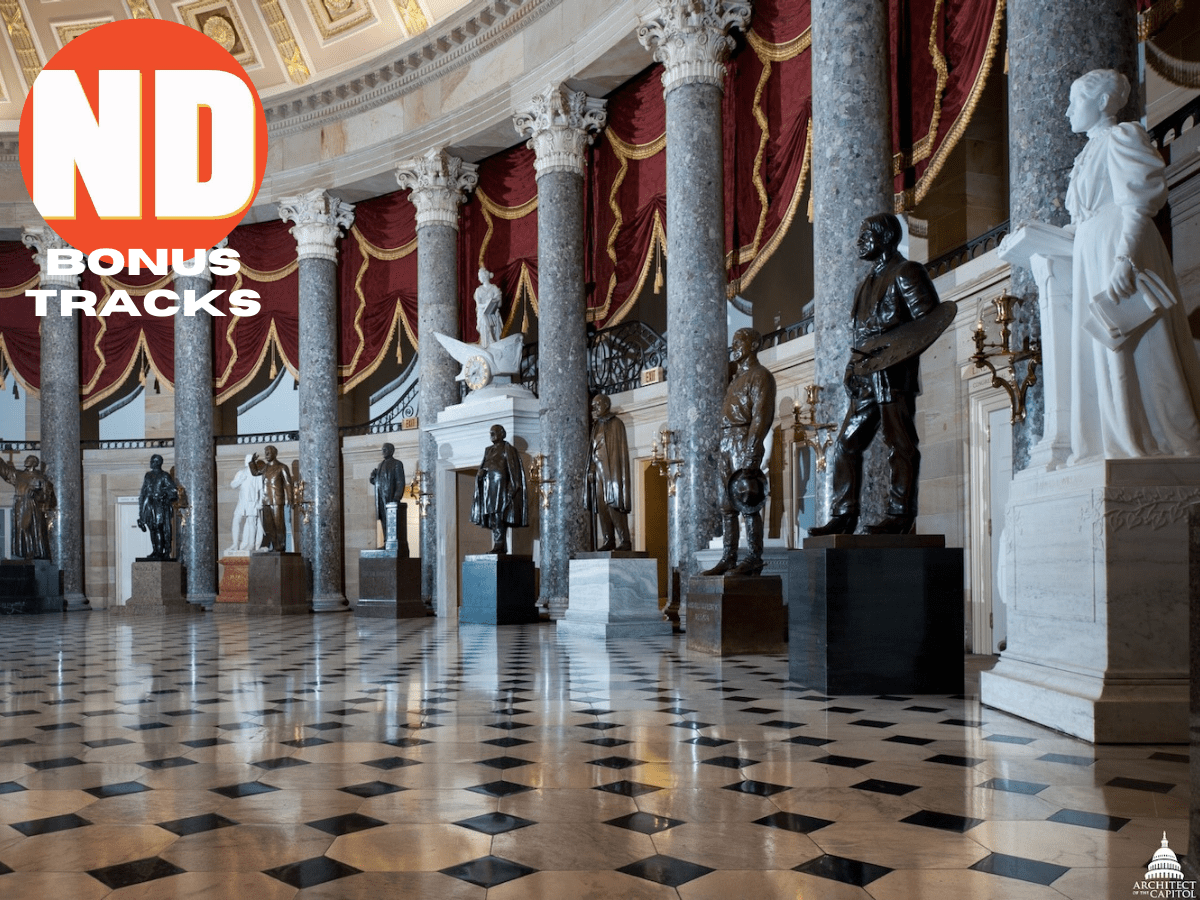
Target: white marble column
195 461
560 124
439 184
60 413
851 179
320 220
691 39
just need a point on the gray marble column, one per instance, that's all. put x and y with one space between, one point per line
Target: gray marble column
560 124
691 39
320 219
439 184
1049 46
195 460
60 412
852 179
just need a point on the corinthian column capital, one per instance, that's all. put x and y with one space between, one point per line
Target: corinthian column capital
560 124
439 183
691 39
320 219
41 239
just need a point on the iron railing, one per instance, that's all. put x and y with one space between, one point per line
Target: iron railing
1174 125
129 444
391 419
617 356
973 248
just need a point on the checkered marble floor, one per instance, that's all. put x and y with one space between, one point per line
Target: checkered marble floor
329 757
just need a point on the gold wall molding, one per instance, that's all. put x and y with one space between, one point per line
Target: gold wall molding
336 17
140 9
285 41
68 31
412 16
21 40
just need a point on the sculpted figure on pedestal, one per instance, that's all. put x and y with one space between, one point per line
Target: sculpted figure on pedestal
500 496
895 293
247 515
746 419
277 494
609 487
33 502
487 310
388 479
156 508
1141 397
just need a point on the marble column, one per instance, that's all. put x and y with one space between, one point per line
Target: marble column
560 124
691 39
439 184
319 220
60 412
1049 46
195 454
851 179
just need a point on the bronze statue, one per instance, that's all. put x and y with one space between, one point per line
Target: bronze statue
609 490
277 494
500 495
746 419
156 508
389 483
896 292
33 501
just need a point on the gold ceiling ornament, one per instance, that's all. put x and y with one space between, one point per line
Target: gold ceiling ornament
220 29
199 14
21 39
140 9
335 17
67 33
412 16
285 41
338 7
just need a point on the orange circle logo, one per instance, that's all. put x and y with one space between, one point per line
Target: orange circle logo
143 135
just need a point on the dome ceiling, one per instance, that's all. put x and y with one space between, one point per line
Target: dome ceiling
282 44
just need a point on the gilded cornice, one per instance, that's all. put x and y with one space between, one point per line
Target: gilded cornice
21 39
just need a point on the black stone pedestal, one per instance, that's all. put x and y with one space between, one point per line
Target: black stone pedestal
389 586
869 615
30 586
497 590
275 586
732 615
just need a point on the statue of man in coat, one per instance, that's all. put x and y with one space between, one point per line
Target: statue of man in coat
608 484
500 495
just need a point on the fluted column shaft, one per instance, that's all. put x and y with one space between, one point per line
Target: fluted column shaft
195 466
560 125
60 412
319 220
1049 46
852 165
692 41
439 183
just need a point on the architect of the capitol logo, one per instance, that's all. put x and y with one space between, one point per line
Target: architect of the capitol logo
1164 877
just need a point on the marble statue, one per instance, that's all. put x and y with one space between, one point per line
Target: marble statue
1140 399
500 495
156 509
388 479
247 515
33 502
894 293
487 310
277 494
746 418
609 487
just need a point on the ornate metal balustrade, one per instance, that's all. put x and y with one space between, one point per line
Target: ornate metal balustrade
1174 125
129 444
391 419
8 447
790 333
617 356
989 240
267 437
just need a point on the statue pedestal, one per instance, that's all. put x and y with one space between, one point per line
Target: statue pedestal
875 614
613 595
275 586
157 589
235 577
731 615
497 590
30 586
389 585
1095 573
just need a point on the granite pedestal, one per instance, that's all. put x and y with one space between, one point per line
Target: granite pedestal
497 589
157 589
877 614
275 586
235 577
613 594
733 615
389 586
30 586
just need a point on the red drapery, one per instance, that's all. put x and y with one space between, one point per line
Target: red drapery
20 328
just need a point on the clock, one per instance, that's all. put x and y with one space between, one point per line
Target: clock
476 372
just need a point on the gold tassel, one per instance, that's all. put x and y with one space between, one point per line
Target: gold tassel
658 268
274 370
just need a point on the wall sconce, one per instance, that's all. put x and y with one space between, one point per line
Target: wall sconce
806 430
416 489
1029 353
665 457
300 501
537 475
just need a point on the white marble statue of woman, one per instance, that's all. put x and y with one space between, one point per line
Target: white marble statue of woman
247 518
1141 399
487 310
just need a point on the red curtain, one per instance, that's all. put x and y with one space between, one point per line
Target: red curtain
20 338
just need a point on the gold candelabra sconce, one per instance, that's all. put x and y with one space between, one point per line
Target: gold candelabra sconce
301 501
807 431
417 490
537 475
665 457
985 352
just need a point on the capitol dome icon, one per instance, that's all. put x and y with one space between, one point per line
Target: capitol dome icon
1164 865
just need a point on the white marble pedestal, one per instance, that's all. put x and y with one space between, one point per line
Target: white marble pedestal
1096 574
613 598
